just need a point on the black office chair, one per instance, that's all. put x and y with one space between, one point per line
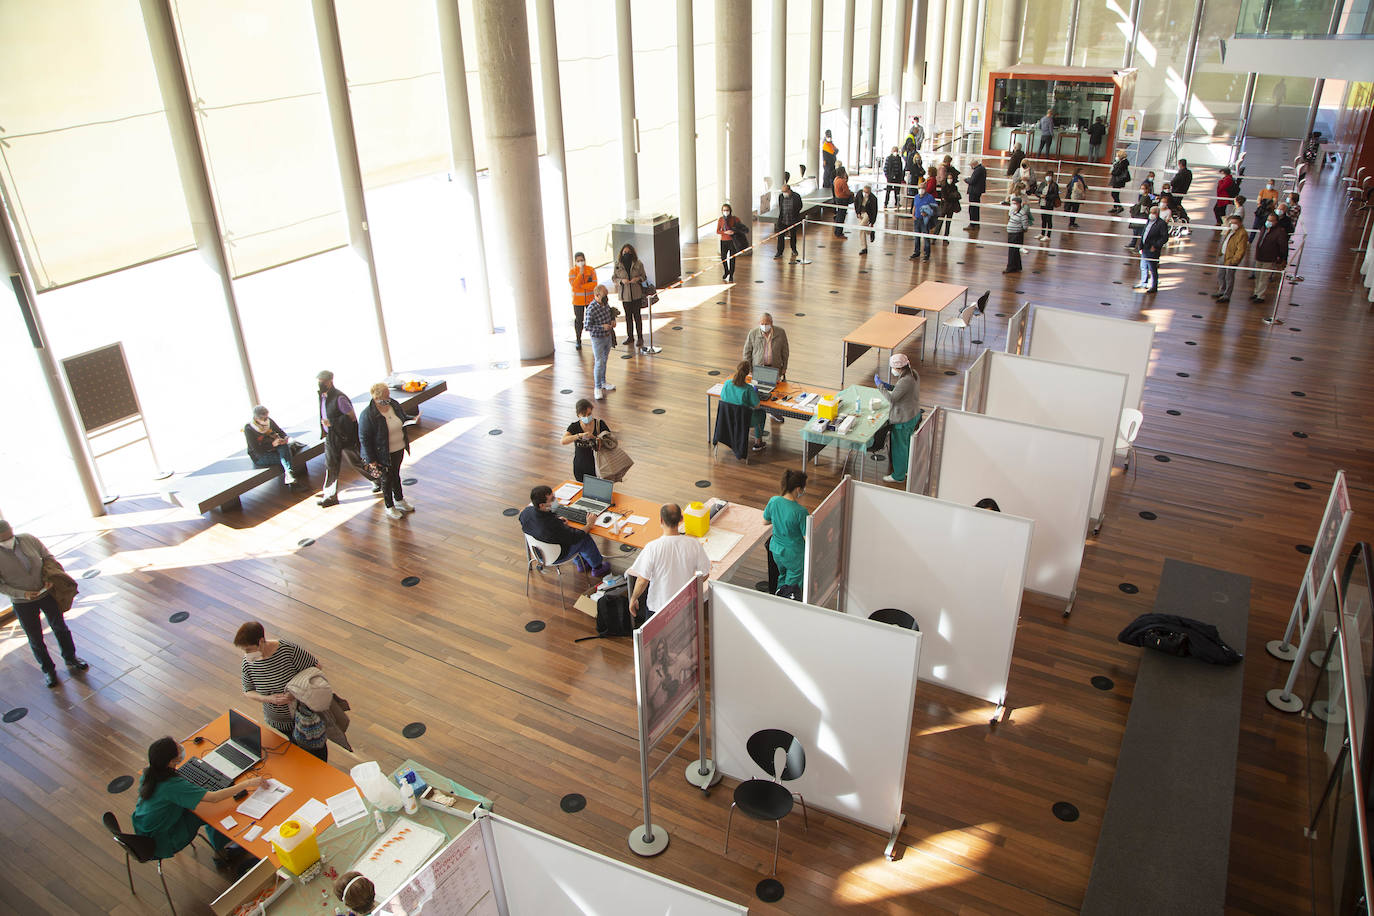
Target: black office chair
897 618
770 800
141 848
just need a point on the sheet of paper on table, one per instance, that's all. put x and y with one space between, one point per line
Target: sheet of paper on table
347 807
312 812
263 799
639 520
567 491
718 543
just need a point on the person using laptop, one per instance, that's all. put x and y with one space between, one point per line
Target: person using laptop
666 564
738 391
538 521
166 804
268 666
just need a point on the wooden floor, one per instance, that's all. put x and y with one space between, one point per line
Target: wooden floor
527 717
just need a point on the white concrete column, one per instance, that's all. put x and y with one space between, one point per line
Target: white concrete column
777 96
875 46
892 99
460 146
686 124
813 93
184 127
346 151
1129 57
1189 64
1009 50
932 91
968 58
846 142
629 125
917 82
519 259
1071 39
735 105
976 86
949 62
555 149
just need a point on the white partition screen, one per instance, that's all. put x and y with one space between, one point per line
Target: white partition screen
1059 396
958 570
1095 342
545 876
844 686
1033 472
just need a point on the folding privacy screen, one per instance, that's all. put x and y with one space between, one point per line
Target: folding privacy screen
1091 341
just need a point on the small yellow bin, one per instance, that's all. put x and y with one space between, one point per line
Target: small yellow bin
297 848
696 521
828 408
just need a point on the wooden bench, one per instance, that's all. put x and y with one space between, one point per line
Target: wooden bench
219 485
1166 832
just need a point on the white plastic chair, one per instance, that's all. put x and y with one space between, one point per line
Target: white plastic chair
538 556
1125 435
958 323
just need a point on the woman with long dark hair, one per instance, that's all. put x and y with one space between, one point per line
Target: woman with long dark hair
166 804
630 278
788 542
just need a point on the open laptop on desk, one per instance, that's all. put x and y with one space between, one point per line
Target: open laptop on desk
597 495
240 751
765 380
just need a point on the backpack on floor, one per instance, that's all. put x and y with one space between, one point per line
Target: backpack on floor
613 614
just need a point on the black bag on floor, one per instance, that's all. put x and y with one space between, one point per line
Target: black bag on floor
1182 636
613 614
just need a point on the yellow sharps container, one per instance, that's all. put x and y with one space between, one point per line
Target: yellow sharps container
297 848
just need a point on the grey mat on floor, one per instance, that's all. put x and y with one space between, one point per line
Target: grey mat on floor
1166 832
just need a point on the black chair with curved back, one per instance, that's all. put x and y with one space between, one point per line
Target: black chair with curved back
765 799
896 617
141 848
982 314
733 422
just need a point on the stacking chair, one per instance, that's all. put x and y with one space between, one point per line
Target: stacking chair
958 324
982 315
140 848
896 617
1125 435
538 558
733 423
769 799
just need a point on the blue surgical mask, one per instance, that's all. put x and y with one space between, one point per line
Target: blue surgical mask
1269 223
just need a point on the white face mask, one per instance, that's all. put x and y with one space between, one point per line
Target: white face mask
7 543
765 328
1269 223
725 213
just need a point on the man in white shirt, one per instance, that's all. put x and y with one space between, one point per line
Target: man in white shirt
666 564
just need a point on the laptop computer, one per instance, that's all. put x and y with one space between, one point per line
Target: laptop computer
765 380
597 495
241 750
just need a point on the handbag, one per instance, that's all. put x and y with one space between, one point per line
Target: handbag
373 470
612 461
650 293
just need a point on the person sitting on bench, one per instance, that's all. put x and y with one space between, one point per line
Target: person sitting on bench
268 445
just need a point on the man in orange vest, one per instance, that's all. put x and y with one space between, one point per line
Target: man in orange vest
582 279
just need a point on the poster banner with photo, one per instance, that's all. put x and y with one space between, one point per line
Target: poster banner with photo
1132 123
668 663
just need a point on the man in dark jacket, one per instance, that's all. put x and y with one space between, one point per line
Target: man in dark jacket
894 172
1097 132
538 521
1120 177
977 182
866 211
789 215
1014 162
339 429
1271 253
1152 240
1179 185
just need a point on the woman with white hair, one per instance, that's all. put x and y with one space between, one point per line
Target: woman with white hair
903 415
384 439
268 445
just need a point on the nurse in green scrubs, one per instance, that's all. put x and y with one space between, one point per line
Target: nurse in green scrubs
738 391
166 803
788 543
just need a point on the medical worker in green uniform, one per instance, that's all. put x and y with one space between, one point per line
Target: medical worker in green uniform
904 413
788 543
167 801
738 391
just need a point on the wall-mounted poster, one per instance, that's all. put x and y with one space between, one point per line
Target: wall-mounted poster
1132 122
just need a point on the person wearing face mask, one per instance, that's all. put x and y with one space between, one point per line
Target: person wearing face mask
165 812
1074 192
904 414
630 278
977 182
1049 200
766 345
829 160
1233 247
601 327
1018 221
1271 254
385 440
1283 219
1264 204
841 197
727 227
538 521
1179 185
1120 177
866 209
27 575
268 445
1140 210
949 203
787 544
894 172
1294 209
789 217
582 434
925 214
582 279
737 390
1153 236
1226 192
268 666
339 429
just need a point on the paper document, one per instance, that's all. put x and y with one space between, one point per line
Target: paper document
312 812
567 491
719 543
263 799
639 519
228 823
252 833
347 807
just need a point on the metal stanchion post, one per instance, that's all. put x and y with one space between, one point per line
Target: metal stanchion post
1273 318
804 259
